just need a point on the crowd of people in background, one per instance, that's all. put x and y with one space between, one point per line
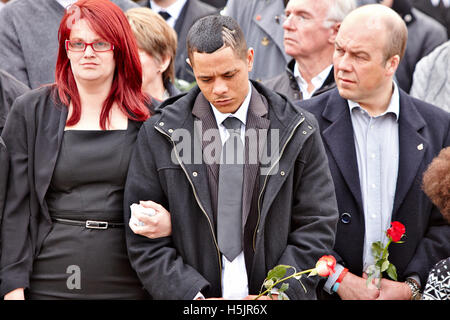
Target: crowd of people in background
94 95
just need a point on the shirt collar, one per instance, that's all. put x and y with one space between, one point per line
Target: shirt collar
445 2
240 113
393 107
317 81
174 9
66 3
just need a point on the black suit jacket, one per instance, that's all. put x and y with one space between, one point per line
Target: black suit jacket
423 132
192 11
33 134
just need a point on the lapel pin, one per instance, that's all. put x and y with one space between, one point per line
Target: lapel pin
420 146
265 41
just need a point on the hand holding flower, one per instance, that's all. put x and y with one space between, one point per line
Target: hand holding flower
381 254
324 267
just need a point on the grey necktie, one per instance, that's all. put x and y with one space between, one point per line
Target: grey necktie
229 205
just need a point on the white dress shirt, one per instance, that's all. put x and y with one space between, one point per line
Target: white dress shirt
317 81
66 3
445 2
174 10
234 273
377 154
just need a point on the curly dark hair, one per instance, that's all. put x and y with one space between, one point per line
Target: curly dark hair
436 182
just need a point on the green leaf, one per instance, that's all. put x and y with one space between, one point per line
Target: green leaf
379 263
377 249
278 272
392 272
385 265
284 287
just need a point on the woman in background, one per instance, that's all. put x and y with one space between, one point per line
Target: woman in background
69 145
157 43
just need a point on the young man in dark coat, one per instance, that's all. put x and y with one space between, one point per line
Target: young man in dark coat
379 141
281 203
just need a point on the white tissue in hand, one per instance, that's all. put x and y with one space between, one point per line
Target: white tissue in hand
138 208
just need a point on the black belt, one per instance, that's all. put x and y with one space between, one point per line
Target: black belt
90 224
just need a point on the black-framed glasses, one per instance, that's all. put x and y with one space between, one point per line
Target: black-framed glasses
80 46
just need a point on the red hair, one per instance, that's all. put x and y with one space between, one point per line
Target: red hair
110 23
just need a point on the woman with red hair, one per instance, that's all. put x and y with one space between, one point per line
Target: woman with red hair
70 143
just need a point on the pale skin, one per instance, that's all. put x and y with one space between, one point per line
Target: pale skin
152 71
164 3
93 72
307 39
364 75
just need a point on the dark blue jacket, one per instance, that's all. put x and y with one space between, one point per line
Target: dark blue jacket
428 234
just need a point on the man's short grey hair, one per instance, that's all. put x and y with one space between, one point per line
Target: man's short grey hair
338 10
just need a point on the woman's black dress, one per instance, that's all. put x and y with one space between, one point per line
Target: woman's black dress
76 262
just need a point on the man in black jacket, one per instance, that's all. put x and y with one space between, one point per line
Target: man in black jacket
283 199
310 27
379 141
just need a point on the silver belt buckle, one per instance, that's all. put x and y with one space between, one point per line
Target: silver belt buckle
91 224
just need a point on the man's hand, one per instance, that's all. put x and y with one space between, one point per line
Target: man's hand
156 226
17 294
393 290
353 287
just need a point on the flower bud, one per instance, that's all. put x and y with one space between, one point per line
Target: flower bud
325 266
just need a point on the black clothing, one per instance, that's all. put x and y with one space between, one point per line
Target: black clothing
10 89
289 207
33 135
287 85
91 191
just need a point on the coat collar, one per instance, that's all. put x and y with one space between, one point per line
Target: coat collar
413 146
340 140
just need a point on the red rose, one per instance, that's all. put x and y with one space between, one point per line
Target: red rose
396 231
325 266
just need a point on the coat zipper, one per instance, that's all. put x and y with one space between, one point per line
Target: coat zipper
265 180
197 199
